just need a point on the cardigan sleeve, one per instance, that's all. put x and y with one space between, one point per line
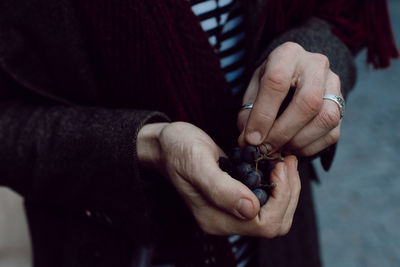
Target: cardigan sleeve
315 35
75 158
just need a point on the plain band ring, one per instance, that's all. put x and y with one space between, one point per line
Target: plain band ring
247 106
338 100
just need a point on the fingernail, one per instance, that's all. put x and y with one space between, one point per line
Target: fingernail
254 138
245 208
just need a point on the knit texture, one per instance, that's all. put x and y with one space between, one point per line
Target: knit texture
133 43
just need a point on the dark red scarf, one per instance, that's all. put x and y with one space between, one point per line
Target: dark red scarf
358 23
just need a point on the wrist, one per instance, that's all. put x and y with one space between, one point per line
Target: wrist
148 144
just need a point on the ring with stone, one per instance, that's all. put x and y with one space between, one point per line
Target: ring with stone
338 100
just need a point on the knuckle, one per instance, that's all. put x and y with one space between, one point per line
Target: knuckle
336 80
264 116
277 80
259 121
332 137
329 119
193 154
309 104
193 151
322 60
292 46
335 83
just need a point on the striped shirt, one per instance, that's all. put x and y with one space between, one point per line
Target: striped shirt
222 20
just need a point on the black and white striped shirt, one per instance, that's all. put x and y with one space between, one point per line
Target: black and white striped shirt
222 20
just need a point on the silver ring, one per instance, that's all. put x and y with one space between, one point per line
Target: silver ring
247 106
338 100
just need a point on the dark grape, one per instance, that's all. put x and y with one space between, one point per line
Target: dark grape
260 173
252 180
250 154
243 169
250 167
226 165
236 155
261 195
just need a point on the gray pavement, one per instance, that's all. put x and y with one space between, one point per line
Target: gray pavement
358 200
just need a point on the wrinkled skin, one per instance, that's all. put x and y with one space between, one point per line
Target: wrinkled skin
188 157
309 124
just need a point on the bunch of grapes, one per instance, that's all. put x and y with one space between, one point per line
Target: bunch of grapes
252 168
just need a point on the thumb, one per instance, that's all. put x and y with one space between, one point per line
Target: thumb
225 192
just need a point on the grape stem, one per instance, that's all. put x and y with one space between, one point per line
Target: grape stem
267 157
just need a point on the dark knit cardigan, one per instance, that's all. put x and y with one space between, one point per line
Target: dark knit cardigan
77 82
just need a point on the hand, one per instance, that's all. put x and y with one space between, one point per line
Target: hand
221 205
308 124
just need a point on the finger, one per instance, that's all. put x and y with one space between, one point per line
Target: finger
295 185
273 217
327 119
327 140
249 97
273 212
213 220
251 91
280 72
242 119
223 191
306 103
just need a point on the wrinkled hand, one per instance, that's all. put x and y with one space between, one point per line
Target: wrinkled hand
188 157
309 124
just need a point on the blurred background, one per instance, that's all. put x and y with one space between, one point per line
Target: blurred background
357 201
